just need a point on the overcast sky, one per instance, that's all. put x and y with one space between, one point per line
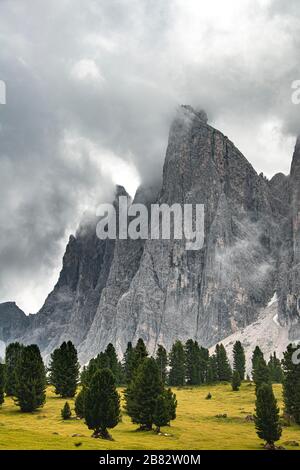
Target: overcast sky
91 88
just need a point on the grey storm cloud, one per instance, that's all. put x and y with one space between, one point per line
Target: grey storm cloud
92 86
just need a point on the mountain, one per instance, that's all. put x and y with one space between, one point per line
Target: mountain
13 323
118 291
266 332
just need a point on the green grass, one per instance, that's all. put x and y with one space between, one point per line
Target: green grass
196 426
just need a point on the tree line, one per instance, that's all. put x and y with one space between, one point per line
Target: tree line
149 400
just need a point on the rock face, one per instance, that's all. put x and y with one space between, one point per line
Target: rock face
205 294
289 285
13 321
118 291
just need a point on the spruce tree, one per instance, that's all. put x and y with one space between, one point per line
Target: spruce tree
140 353
235 381
2 383
31 380
162 362
291 383
257 354
171 404
102 403
113 363
128 363
142 393
239 359
161 412
267 415
64 370
79 404
275 369
66 412
12 359
192 362
212 370
260 373
223 365
203 364
177 364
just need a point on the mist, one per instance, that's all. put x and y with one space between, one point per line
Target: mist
91 90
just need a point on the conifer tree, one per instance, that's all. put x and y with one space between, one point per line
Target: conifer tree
140 353
257 354
102 403
224 369
88 371
260 373
12 359
113 363
275 369
291 382
142 393
177 364
79 404
128 363
203 364
212 370
267 415
239 359
162 362
66 412
31 380
2 383
64 370
235 381
171 404
192 353
161 412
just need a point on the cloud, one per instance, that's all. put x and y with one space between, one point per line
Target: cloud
91 89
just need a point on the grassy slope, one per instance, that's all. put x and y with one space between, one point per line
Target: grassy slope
196 426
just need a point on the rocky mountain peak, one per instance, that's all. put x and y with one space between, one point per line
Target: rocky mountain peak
119 290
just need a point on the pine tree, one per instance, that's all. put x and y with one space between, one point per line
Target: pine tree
31 380
275 369
161 412
2 383
102 403
64 370
79 404
235 381
257 354
260 373
162 362
192 362
88 372
291 383
66 412
128 363
171 404
203 364
267 415
212 370
224 369
177 364
113 363
140 353
239 359
12 359
142 393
